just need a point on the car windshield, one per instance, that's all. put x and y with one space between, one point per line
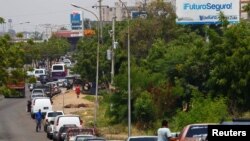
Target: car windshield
54 114
64 129
37 95
82 138
37 91
197 131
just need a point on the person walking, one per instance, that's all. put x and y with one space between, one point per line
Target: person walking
38 117
164 133
78 90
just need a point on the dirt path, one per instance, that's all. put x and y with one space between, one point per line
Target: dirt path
68 98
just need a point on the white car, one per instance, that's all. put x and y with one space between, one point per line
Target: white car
36 72
61 82
49 121
81 137
37 93
140 138
42 103
61 120
67 62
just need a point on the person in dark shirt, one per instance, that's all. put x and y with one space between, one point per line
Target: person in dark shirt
38 118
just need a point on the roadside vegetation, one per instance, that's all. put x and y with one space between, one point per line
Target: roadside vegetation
183 73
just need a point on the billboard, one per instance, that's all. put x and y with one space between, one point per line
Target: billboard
138 14
206 11
76 20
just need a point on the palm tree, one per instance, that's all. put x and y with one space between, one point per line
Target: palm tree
2 20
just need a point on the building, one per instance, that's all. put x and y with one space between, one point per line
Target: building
243 14
119 11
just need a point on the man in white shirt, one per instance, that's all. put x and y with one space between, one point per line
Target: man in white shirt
164 133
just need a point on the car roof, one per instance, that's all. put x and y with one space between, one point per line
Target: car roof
54 111
193 124
84 135
235 123
142 136
95 138
69 125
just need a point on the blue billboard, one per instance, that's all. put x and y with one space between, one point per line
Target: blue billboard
206 11
138 14
76 20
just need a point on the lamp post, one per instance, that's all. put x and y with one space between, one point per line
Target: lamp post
97 60
129 87
24 23
112 51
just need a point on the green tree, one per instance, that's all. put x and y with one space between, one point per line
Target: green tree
204 109
144 111
2 20
246 8
229 74
12 56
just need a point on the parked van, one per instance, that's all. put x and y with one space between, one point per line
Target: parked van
61 120
43 103
37 72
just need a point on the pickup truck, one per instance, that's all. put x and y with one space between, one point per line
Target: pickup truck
16 89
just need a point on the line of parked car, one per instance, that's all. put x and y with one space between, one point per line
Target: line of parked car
57 125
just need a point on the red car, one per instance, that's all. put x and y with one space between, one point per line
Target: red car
194 132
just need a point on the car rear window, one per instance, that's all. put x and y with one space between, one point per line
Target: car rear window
197 131
143 139
57 67
37 91
54 114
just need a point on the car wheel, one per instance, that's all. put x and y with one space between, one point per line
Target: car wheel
50 137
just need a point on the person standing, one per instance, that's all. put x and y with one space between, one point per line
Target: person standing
164 133
38 117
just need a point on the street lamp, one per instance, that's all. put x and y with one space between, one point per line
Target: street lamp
129 87
24 23
97 59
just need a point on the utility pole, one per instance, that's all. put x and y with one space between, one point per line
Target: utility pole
100 18
112 50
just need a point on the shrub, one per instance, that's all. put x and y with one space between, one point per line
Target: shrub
202 109
144 111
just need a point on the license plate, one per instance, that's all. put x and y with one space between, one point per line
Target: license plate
45 108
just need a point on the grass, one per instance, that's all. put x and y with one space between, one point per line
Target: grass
110 132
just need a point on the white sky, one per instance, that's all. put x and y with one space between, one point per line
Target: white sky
40 12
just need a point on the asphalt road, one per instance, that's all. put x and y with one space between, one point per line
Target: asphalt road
15 123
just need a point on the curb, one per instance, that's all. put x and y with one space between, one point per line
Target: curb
1 97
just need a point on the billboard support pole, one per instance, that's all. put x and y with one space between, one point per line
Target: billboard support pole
83 24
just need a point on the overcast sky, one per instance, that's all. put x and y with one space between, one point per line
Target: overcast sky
40 12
